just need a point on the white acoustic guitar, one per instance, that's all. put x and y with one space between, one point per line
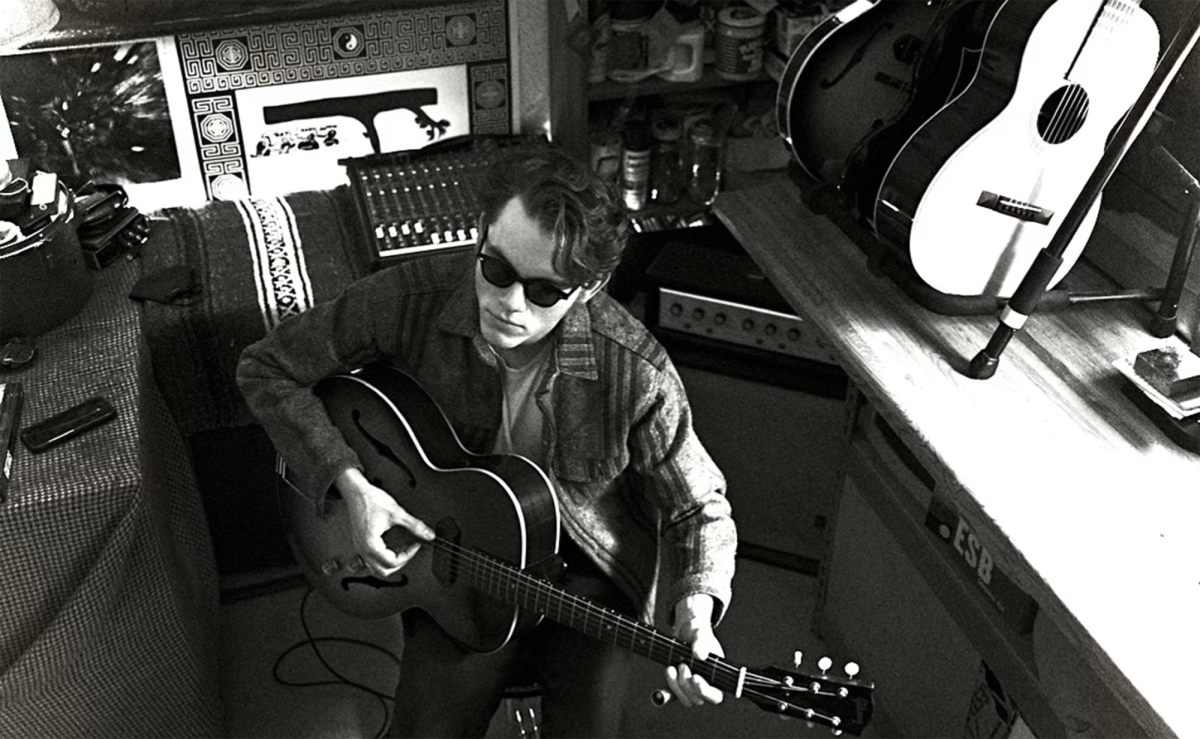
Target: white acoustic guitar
1062 76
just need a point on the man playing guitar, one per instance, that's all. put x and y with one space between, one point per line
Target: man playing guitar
525 354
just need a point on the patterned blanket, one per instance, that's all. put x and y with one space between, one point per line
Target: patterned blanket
258 261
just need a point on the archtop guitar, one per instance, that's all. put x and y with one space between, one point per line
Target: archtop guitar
484 578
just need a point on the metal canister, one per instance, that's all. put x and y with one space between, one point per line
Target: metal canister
739 42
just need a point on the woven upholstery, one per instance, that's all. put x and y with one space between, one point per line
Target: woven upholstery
110 595
259 260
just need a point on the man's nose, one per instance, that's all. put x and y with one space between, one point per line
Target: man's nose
513 297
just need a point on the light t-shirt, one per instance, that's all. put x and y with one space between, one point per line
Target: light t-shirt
521 419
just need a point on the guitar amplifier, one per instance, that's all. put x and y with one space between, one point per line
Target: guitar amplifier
765 390
409 202
711 305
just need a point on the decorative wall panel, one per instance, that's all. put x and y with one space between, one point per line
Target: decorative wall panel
271 108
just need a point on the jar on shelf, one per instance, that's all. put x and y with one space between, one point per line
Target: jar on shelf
666 163
739 43
705 158
601 23
606 152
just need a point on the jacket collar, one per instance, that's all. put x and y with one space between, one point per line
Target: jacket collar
575 342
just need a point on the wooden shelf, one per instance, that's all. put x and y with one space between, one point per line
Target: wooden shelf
609 90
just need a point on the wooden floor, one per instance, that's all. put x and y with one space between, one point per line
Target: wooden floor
769 620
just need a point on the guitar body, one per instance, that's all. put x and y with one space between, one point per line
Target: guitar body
949 63
502 505
853 73
978 190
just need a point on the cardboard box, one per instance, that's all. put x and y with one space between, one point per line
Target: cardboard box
789 24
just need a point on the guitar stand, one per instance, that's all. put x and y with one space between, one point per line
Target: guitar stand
1183 431
1031 289
823 199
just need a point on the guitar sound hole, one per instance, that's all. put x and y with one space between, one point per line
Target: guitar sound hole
1063 114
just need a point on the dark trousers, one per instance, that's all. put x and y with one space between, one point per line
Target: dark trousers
447 691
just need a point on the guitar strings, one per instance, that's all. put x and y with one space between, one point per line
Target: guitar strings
494 572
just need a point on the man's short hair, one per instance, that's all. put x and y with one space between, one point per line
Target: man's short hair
569 201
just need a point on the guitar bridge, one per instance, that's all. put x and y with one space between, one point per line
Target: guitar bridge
895 82
1014 208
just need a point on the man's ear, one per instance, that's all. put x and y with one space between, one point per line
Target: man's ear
594 288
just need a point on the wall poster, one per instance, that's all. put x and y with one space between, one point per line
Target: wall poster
260 110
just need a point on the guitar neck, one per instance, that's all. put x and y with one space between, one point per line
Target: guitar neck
511 585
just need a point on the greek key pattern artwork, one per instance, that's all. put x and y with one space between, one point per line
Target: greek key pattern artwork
490 113
219 66
348 46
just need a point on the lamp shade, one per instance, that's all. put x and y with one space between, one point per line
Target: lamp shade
23 20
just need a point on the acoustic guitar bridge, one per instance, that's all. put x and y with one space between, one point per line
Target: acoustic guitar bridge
1014 208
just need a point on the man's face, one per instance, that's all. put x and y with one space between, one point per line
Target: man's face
514 326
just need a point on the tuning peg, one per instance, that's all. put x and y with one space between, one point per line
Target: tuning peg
824 663
851 669
797 657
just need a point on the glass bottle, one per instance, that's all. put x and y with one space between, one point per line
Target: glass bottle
635 166
705 159
666 163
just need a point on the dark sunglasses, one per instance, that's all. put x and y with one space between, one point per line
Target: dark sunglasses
498 273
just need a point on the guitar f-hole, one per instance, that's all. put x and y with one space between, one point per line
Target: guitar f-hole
382 449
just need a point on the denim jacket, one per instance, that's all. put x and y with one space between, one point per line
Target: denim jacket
628 469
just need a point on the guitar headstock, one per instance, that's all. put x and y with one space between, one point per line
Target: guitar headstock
841 703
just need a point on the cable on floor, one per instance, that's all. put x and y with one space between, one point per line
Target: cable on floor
311 641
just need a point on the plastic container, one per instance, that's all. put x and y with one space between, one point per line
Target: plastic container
739 43
606 153
686 56
601 22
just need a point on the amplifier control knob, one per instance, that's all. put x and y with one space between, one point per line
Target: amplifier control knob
748 324
698 314
770 329
793 334
719 319
676 309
